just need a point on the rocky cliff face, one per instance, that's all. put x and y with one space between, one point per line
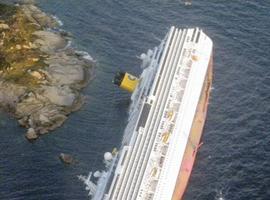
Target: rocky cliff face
40 75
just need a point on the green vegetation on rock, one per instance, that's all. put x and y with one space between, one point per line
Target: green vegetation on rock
18 54
6 11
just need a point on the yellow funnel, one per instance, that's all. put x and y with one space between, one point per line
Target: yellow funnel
126 81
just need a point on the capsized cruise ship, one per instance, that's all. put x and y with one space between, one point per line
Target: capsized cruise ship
167 115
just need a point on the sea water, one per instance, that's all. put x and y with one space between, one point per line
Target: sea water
232 164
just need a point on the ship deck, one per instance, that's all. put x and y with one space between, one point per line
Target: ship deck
150 162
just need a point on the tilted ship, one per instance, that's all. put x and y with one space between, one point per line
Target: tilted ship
167 115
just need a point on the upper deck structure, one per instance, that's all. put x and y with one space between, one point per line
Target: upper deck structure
162 136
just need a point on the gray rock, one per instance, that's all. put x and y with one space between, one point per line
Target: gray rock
28 106
4 26
66 158
59 95
37 112
10 94
68 69
49 41
64 58
44 20
36 16
31 134
67 74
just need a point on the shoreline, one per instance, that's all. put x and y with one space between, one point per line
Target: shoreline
41 75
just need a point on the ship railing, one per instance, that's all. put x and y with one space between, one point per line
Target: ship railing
162 91
183 77
131 162
132 165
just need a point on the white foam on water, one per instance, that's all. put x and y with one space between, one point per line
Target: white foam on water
60 23
68 44
221 193
220 196
146 58
188 2
96 189
85 55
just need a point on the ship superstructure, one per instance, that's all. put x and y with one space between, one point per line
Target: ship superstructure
166 120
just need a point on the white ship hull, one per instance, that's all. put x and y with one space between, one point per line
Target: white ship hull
166 121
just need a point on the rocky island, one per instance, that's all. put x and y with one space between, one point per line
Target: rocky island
41 76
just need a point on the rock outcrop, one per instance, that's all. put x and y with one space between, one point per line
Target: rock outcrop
41 77
66 158
36 16
31 134
4 27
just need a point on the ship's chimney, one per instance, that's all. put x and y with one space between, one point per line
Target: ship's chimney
126 81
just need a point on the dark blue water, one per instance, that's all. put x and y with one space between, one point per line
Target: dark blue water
235 157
